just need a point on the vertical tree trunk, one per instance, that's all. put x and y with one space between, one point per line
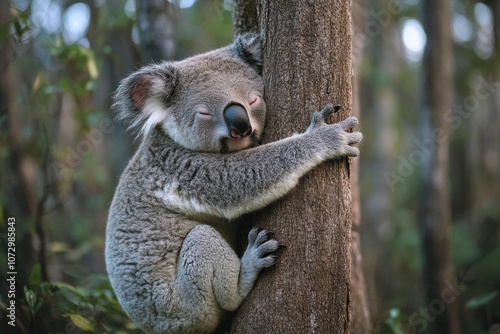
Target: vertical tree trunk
360 322
245 16
307 63
483 151
120 146
379 157
435 215
156 29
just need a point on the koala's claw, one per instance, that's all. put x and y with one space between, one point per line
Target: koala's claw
329 110
262 237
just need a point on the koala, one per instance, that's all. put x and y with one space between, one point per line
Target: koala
171 227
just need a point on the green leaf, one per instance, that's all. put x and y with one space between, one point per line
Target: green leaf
69 292
481 301
82 322
30 297
32 300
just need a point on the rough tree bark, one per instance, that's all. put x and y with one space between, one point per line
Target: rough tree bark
434 214
307 63
245 16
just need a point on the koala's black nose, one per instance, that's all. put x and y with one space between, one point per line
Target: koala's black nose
237 121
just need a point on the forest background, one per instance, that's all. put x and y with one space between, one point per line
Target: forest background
62 152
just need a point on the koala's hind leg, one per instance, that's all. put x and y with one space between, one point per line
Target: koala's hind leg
212 278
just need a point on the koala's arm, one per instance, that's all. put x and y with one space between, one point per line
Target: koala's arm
230 185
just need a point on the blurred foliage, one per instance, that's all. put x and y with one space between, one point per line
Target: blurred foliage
90 305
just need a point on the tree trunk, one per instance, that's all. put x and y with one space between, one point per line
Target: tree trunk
245 16
378 159
307 63
360 322
483 150
155 20
435 215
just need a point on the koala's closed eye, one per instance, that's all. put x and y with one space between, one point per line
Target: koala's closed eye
203 112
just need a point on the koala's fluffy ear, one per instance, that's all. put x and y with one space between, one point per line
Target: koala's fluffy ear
142 98
249 48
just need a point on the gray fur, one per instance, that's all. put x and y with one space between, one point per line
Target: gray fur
170 226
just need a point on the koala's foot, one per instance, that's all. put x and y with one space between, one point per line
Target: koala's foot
261 245
260 253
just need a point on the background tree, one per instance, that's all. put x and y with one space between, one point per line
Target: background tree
360 322
155 22
379 106
307 63
435 213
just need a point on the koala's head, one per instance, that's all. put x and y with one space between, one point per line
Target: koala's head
210 102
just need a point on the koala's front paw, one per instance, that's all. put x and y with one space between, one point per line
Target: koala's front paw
337 137
260 250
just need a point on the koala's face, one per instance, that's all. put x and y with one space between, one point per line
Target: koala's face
211 102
